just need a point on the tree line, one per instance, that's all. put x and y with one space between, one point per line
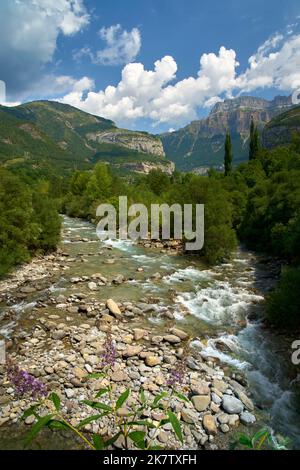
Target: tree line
256 203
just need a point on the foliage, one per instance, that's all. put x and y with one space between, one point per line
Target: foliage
283 306
29 221
264 438
131 428
228 154
254 144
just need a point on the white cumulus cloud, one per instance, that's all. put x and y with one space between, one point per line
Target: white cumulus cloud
29 30
154 94
121 47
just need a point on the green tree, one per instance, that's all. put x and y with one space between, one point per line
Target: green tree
228 154
254 144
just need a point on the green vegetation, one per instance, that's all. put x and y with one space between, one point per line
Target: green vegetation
45 134
88 189
258 202
29 220
254 144
228 154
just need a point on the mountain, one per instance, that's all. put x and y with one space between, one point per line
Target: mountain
201 143
281 129
41 134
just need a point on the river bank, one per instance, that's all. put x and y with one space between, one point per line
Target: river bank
54 318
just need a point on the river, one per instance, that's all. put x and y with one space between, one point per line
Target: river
219 306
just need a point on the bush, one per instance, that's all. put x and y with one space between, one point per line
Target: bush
283 304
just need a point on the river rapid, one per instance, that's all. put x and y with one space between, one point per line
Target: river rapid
221 307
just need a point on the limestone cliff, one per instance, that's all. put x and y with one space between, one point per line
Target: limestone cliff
138 141
201 143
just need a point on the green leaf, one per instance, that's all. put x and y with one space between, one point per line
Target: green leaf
141 422
259 437
158 398
175 425
89 420
142 396
245 441
122 398
56 424
31 411
97 405
96 375
98 442
42 422
181 396
113 439
56 400
138 437
102 392
156 448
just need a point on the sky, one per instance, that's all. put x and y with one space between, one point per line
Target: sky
152 65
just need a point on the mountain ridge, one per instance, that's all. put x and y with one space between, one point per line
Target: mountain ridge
201 143
38 132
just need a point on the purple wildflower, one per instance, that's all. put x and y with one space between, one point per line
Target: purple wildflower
177 374
108 357
24 382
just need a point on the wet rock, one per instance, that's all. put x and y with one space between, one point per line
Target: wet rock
58 334
232 405
27 290
247 418
92 285
209 424
201 402
119 279
179 333
172 339
113 308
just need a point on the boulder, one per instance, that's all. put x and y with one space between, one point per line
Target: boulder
113 308
179 333
172 339
209 424
232 405
201 402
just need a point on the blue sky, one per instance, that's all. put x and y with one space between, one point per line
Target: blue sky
72 50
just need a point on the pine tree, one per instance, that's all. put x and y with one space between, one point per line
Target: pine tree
228 154
254 145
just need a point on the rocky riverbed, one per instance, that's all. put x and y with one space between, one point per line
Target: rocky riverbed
56 311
